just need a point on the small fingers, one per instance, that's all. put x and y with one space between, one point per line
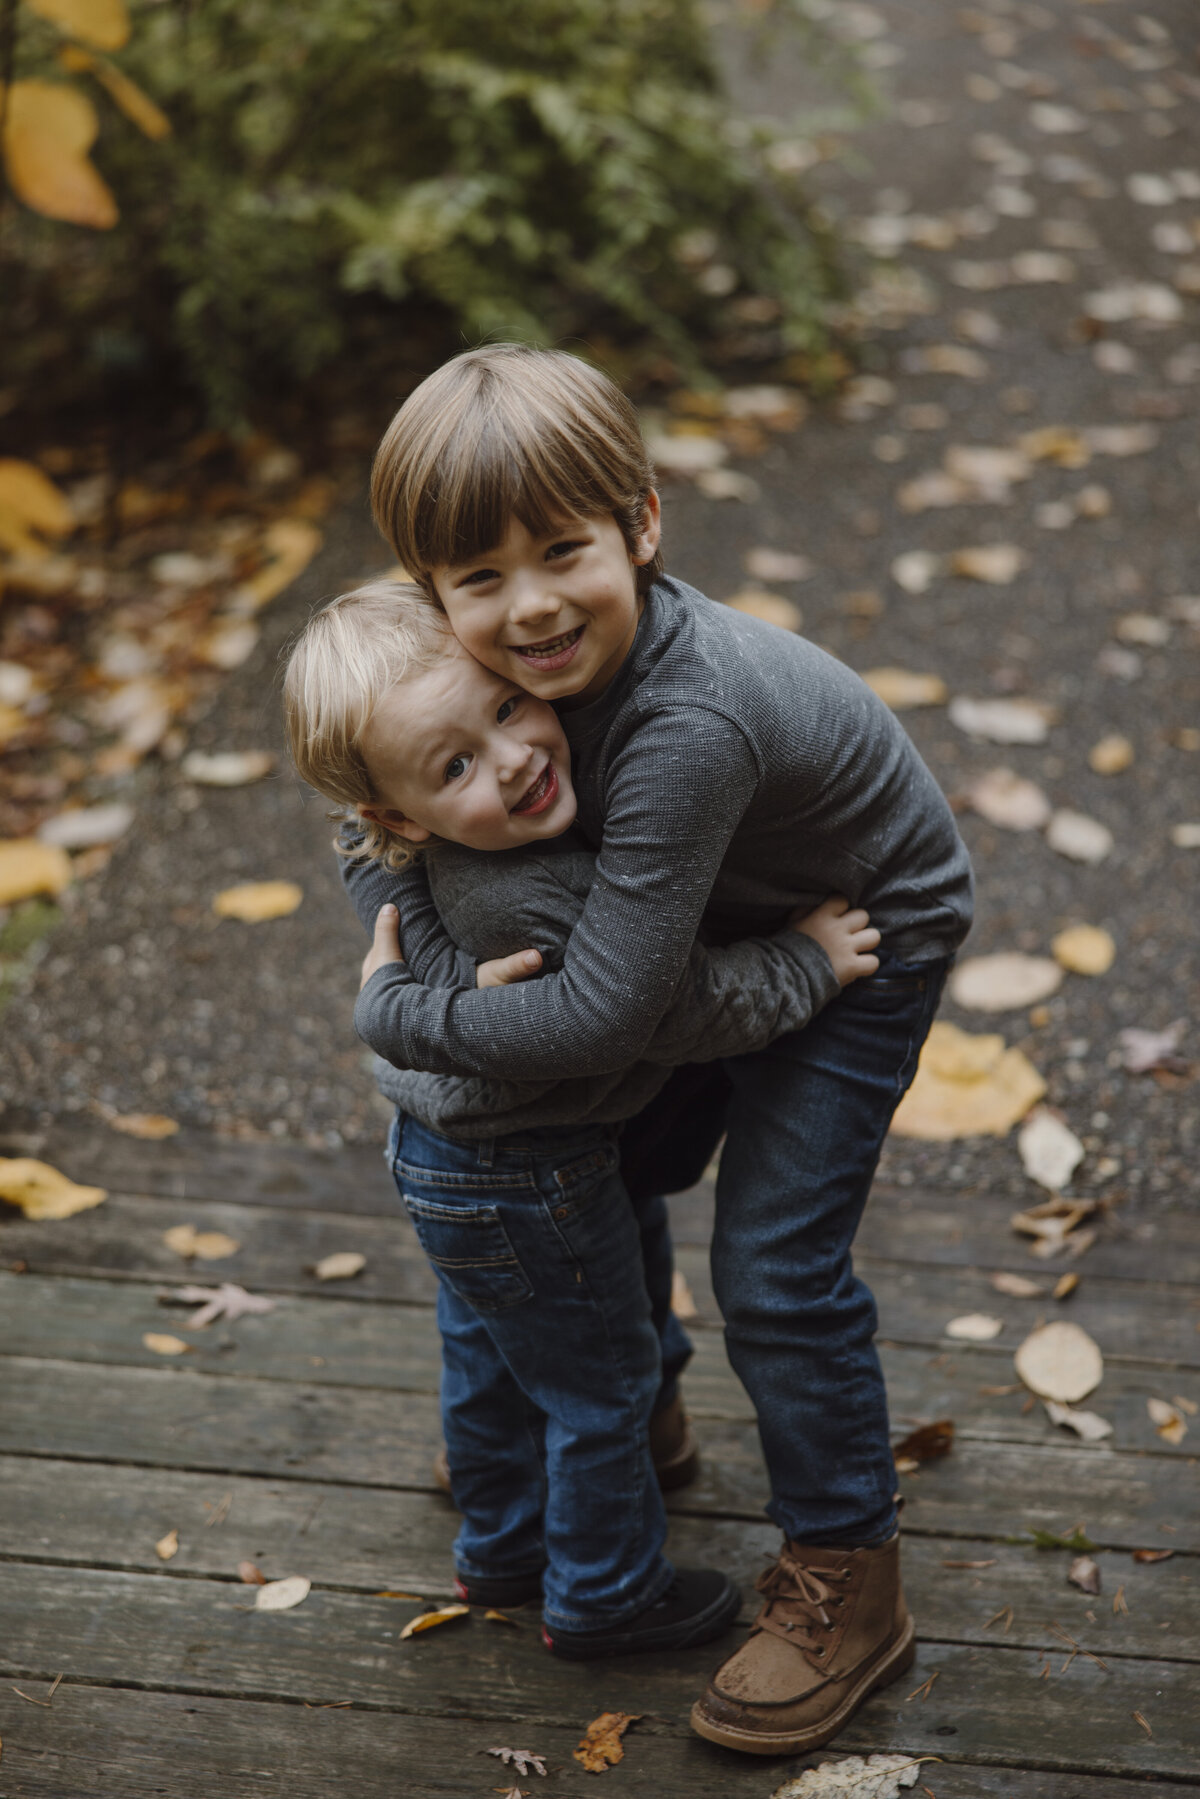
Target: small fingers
856 920
868 965
867 939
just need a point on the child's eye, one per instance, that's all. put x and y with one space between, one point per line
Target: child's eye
558 550
456 768
508 708
478 577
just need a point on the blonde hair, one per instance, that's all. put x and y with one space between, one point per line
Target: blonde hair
508 432
348 656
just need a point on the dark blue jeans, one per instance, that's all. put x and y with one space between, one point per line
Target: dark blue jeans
806 1120
558 1344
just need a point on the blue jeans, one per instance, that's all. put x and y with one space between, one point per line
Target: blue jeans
806 1119
558 1343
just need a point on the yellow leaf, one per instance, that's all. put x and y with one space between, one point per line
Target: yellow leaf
207 1246
133 101
966 1086
758 602
428 1620
162 1344
258 900
341 1266
167 1546
51 127
33 497
601 1744
900 688
104 23
42 1192
28 867
291 544
1084 949
1111 755
150 1125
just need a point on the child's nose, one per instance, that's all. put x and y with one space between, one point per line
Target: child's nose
532 601
514 761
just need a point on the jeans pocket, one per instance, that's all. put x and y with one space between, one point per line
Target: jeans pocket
470 1250
577 1182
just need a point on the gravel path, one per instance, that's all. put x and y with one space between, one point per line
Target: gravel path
1019 142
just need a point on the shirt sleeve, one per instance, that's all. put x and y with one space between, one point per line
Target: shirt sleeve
675 794
430 953
735 1000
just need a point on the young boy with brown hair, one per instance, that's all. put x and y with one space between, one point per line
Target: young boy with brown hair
560 1352
725 773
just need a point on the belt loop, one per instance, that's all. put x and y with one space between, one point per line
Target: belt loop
487 1151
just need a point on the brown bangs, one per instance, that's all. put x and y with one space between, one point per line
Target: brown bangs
503 433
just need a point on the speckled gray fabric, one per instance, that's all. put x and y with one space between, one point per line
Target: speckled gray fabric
728 1001
730 772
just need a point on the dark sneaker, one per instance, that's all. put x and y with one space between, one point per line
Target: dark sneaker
699 1604
502 1593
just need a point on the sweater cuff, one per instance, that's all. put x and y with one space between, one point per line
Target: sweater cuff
814 962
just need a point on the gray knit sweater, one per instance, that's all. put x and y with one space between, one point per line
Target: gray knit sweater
730 772
728 1001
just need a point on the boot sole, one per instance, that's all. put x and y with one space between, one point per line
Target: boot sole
896 1662
699 1629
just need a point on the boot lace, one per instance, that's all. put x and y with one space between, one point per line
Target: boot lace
799 1601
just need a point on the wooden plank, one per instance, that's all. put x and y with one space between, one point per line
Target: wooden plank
330 1341
203 1636
366 1437
94 1742
1148 1320
355 1538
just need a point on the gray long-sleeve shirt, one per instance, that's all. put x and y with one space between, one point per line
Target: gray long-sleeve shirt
728 1001
728 773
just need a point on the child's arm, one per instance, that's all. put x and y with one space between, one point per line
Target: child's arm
663 847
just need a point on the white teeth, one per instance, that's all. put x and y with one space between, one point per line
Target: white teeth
551 648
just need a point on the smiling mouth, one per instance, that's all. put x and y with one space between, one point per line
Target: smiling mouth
552 653
541 794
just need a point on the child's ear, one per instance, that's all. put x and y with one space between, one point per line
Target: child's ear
395 822
648 537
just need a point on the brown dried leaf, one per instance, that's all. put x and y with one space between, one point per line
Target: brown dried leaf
600 1746
29 867
1060 1361
50 129
1152 1555
1018 1285
1084 1573
206 1246
226 768
1006 799
290 545
928 1442
429 1620
152 1127
341 1266
998 564
974 1327
771 607
1084 949
1088 1426
162 1344
282 1595
523 1760
255 901
167 1546
966 1086
34 499
1006 982
1167 1421
1111 755
901 689
251 1574
1064 1286
1050 1152
42 1192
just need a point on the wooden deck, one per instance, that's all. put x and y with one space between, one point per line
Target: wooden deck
302 1440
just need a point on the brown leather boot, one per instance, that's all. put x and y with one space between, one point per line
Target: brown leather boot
673 1448
834 1626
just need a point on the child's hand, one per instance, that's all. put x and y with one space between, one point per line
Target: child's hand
386 946
507 969
846 936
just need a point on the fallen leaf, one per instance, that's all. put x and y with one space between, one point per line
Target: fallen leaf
728 484
392 1593
1087 1425
206 1246
900 689
104 23
251 1575
600 1746
167 1546
1006 799
945 359
1167 1421
1153 1555
966 1086
28 494
1084 1573
1005 982
1001 721
133 101
42 1192
1052 1224
1055 443
1064 1286
1018 1285
987 1564
1143 628
227 643
1110 755
1143 1051
682 1303
927 1443
1084 949
974 1327
1122 440
428 1620
523 1760
1060 1361
1081 838
1050 1152
282 1595
771 607
290 545
227 1301
255 901
1138 1719
491 1616
916 570
998 564
162 1344
684 454
340 1266
857 1777
152 1127
50 127
29 867
226 768
85 826
1119 1605
1186 836
776 565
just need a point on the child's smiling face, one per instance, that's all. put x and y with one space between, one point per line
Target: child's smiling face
557 614
457 752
